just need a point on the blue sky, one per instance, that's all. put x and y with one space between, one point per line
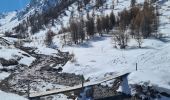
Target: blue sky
11 5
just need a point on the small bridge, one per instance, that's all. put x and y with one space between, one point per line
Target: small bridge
69 89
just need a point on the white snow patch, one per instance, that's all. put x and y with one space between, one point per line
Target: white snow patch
9 96
3 75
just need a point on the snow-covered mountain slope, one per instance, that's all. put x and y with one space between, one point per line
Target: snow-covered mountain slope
7 18
9 21
37 6
12 19
42 5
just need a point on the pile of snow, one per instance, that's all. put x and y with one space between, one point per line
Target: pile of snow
8 51
13 53
160 80
3 75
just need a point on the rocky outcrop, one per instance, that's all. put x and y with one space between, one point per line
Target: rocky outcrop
9 62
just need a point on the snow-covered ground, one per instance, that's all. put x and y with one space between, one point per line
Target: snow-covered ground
9 96
39 44
98 57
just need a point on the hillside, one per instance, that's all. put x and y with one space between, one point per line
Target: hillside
60 60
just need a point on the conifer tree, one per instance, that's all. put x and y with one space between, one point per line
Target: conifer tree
133 2
99 25
112 20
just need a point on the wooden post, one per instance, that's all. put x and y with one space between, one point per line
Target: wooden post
28 89
82 80
136 66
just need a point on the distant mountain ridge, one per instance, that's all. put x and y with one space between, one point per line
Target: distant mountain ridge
39 6
33 8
